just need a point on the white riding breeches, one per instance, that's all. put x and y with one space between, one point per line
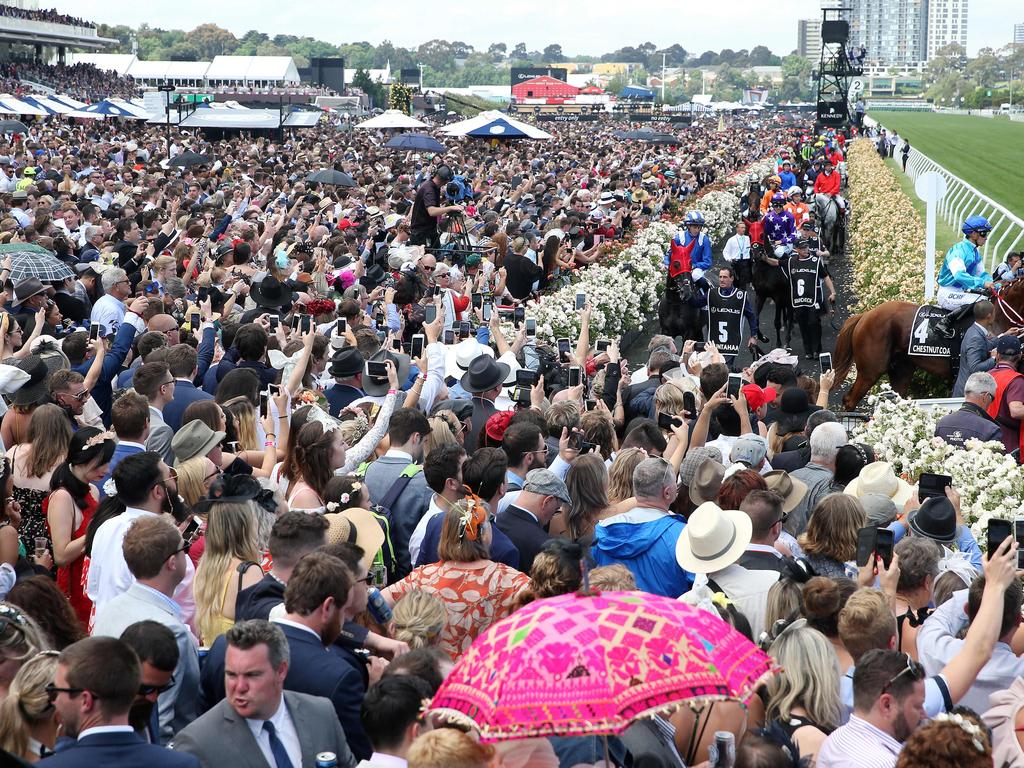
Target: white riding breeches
951 297
697 273
782 250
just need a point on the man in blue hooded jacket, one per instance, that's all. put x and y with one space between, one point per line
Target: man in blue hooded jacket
644 538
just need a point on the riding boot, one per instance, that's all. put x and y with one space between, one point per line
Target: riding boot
946 326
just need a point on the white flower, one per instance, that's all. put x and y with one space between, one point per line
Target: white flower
110 487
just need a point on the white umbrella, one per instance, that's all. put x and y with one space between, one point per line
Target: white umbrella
391 118
496 124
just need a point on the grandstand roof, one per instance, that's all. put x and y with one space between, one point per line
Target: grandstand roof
253 68
168 70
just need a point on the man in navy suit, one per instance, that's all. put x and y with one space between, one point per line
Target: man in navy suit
130 418
976 348
525 520
347 370
96 682
183 362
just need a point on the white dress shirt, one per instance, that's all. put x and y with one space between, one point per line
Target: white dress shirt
286 732
416 540
858 744
108 572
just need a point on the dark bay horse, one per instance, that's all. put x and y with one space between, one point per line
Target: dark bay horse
877 342
676 312
769 282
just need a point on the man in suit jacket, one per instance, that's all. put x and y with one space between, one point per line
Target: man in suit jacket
407 431
155 555
96 682
976 348
183 362
484 380
314 609
260 724
130 418
526 519
155 382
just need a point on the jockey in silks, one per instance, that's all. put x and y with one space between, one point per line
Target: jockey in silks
779 226
827 185
963 279
796 206
696 245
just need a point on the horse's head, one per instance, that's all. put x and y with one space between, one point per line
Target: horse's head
759 251
683 284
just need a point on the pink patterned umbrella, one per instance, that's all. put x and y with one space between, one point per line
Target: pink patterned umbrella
592 664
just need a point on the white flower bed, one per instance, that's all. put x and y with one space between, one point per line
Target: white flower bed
990 482
721 211
622 298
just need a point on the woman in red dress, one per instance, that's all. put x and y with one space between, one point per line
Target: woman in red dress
69 507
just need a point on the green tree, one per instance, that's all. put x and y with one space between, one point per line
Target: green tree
209 40
497 51
519 52
553 53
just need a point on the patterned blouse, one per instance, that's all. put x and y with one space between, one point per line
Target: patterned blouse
475 595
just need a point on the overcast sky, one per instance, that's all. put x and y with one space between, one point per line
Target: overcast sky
581 26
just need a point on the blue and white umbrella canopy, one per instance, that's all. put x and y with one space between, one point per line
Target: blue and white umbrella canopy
495 125
112 108
11 105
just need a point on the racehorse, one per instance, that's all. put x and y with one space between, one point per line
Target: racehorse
676 312
826 212
878 340
769 282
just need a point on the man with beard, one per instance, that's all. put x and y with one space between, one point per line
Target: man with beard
146 613
92 692
888 704
144 486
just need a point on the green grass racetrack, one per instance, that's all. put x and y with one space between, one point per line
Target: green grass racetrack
987 153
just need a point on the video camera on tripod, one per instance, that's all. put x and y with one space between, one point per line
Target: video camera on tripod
456 187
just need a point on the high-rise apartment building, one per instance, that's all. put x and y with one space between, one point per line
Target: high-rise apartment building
1018 34
895 32
947 24
808 39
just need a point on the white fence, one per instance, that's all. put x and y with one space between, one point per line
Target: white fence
963 200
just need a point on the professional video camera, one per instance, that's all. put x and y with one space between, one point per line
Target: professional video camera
458 189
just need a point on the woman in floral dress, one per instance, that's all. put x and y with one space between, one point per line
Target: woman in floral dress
475 590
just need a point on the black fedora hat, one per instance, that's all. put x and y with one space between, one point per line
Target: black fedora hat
484 373
346 363
373 277
794 408
935 519
375 387
271 293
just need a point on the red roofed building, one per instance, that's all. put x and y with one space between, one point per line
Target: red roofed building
544 87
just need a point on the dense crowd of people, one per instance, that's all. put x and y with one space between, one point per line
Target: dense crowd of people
51 15
277 453
83 81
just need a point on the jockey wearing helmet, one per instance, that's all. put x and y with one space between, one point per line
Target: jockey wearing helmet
695 242
963 274
796 205
779 226
774 184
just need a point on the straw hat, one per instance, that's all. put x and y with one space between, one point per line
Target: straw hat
713 538
707 480
880 477
788 487
358 526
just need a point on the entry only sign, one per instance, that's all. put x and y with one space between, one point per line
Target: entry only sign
931 188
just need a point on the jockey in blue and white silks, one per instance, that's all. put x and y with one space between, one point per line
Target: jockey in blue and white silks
700 255
963 279
963 269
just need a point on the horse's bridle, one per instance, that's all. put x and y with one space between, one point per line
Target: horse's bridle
1011 314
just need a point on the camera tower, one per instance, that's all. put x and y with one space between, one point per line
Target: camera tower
834 70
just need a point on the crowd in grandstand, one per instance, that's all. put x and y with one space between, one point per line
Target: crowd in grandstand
45 14
81 81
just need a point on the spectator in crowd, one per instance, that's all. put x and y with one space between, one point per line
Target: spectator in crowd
825 442
392 716
524 520
972 420
28 728
976 347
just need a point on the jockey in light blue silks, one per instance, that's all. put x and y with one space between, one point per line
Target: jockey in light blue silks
963 274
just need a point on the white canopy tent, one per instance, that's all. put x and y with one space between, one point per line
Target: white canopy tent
493 116
252 69
391 118
11 105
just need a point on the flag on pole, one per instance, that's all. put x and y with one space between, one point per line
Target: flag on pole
721 123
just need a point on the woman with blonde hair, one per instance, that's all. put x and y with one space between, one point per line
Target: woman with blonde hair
476 590
20 640
443 428
668 398
33 464
27 723
230 563
419 619
831 536
804 697
242 414
620 474
195 476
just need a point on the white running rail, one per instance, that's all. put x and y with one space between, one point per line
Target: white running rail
963 200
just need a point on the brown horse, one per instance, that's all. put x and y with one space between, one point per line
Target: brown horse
877 341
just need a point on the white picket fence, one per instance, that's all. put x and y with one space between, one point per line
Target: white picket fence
963 200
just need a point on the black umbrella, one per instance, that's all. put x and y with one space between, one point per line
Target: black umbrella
13 126
331 176
661 138
190 158
642 134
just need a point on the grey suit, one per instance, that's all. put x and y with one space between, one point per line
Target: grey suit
160 436
974 356
222 737
137 603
